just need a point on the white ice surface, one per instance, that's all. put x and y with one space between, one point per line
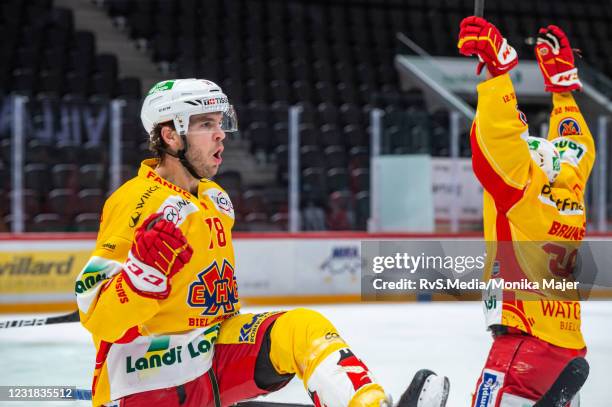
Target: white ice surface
395 340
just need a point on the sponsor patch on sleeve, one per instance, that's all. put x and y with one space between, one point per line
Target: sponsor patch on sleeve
175 209
570 151
569 127
221 201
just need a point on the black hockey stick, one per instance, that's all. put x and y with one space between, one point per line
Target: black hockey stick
567 385
60 319
82 394
479 8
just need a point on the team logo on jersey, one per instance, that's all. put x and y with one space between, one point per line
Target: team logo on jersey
569 127
221 201
215 290
489 387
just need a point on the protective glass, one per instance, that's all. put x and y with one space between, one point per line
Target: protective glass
228 123
230 120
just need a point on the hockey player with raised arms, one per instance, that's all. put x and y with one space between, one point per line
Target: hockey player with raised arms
534 215
159 293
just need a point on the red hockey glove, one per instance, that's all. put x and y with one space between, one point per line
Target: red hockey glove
556 60
478 36
160 250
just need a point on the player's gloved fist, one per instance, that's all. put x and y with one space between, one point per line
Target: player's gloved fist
479 37
160 250
556 60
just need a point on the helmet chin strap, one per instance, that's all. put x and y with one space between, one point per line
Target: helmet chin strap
180 154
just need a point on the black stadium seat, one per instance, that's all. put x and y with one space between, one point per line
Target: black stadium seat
86 222
49 222
90 200
65 176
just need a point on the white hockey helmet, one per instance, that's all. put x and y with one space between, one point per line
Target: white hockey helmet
545 155
179 99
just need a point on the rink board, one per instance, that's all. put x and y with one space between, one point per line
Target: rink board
37 272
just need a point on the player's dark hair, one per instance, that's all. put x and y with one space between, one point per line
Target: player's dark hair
157 145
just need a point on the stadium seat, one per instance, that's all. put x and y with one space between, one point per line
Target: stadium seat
37 152
362 210
48 222
65 176
331 136
355 136
37 177
337 179
229 180
313 184
261 137
86 222
257 222
280 220
359 157
281 155
311 156
360 180
92 176
308 135
62 202
328 113
280 134
253 202
90 200
335 156
277 200
31 201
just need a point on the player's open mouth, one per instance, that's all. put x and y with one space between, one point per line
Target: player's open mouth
217 155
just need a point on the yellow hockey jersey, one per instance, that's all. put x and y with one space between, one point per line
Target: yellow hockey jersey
143 343
532 228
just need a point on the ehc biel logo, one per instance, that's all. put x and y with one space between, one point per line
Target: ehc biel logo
214 289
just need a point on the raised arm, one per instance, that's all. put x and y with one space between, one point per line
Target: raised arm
568 130
500 155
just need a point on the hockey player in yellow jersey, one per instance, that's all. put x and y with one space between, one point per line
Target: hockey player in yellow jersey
534 215
159 293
